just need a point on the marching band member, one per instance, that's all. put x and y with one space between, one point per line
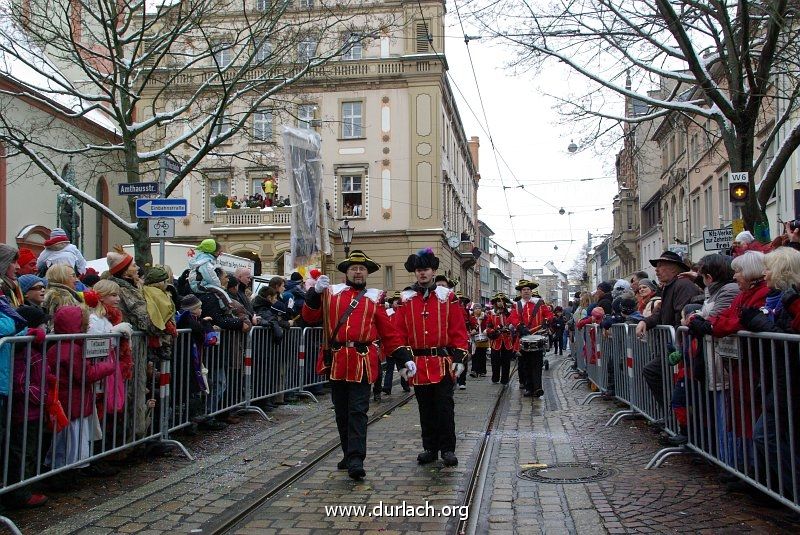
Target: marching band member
500 331
529 315
353 320
432 324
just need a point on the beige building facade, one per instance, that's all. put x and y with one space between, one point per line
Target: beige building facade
397 163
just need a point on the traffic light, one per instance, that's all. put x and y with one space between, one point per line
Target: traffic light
739 192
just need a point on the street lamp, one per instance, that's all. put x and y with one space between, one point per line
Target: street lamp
346 232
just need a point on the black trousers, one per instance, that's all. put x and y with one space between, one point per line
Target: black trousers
437 415
652 376
530 370
558 343
501 365
350 402
479 360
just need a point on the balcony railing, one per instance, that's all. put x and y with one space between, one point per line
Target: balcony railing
334 70
253 217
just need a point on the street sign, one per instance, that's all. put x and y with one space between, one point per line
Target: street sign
172 165
161 208
161 228
96 347
714 240
738 178
138 188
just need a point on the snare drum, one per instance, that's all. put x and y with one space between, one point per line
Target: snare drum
533 342
478 338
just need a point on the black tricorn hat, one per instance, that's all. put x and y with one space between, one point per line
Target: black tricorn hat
358 257
669 256
501 297
524 283
423 259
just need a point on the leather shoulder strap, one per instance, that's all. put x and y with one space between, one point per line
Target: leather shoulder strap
350 309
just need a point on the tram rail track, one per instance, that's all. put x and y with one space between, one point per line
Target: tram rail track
232 522
472 499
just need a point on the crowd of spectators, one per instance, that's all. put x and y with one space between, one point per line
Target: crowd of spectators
753 288
81 406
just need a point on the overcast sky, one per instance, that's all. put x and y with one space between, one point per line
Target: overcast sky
526 133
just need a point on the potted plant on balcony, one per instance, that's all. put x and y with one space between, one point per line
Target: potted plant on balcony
220 201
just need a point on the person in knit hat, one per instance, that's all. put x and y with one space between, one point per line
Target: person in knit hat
123 270
58 250
27 262
202 266
32 288
161 310
9 265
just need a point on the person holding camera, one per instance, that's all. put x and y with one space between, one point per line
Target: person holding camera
501 332
353 319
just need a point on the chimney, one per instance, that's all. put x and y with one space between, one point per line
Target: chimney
474 144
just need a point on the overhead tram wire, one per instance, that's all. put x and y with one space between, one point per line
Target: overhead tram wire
486 121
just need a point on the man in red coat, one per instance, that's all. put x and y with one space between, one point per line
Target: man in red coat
529 315
353 319
500 331
432 324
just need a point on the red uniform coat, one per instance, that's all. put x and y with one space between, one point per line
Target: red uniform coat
495 323
366 324
431 324
526 318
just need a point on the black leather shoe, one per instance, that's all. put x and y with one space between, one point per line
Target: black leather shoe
539 393
356 472
449 458
527 394
342 465
376 397
427 456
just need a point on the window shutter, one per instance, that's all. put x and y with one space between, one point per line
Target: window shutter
423 45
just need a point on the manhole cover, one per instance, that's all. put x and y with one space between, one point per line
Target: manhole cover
568 473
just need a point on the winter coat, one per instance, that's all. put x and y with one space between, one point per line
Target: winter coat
60 253
217 306
728 322
298 292
134 307
202 267
10 289
32 377
76 375
605 303
241 297
651 306
199 337
719 296
675 295
10 324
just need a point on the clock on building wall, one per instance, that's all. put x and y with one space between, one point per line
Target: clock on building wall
453 241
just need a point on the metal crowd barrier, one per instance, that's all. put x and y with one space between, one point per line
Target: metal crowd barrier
596 363
744 408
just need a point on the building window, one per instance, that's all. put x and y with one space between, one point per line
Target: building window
262 50
423 41
353 47
262 125
629 216
307 4
305 115
263 5
724 203
708 204
352 120
216 186
695 221
221 127
223 54
352 195
306 49
388 277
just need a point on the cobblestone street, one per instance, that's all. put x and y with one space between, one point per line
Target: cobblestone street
683 495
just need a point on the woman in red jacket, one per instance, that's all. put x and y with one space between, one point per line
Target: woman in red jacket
748 272
76 378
